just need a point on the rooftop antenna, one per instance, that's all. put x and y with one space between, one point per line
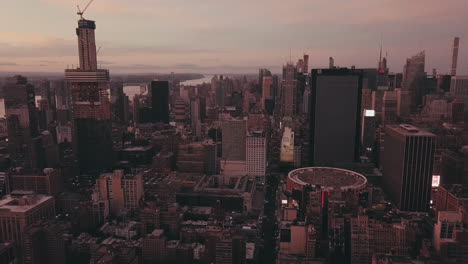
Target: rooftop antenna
380 56
290 57
80 13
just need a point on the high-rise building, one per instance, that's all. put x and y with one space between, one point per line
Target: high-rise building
211 164
123 192
256 151
389 108
160 101
266 89
368 130
195 114
459 88
288 90
456 43
17 212
407 165
43 242
22 123
403 102
335 116
234 135
377 102
261 74
220 92
233 149
305 68
89 88
413 76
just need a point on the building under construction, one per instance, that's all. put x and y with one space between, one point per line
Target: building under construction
89 89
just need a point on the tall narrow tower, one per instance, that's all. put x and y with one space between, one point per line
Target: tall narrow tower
89 89
456 43
87 44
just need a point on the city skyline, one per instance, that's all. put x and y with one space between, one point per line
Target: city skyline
231 37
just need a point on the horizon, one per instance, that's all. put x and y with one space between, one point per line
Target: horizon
216 37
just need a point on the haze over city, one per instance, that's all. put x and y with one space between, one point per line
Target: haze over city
233 132
231 36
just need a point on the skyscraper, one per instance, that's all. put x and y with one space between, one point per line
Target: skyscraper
160 101
234 134
459 88
456 43
220 92
262 73
288 90
22 123
335 116
368 130
413 76
389 108
256 151
407 165
266 89
89 88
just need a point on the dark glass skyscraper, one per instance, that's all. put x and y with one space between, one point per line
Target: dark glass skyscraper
160 101
335 116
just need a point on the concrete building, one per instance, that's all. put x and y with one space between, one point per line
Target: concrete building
370 236
407 165
154 247
48 183
256 154
17 212
368 131
448 224
22 123
403 102
44 242
459 88
233 148
389 108
123 192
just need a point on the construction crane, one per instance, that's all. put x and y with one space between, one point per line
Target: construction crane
80 13
99 49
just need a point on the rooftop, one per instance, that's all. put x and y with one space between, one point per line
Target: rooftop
328 178
23 203
409 130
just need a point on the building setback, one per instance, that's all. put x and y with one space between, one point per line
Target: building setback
91 111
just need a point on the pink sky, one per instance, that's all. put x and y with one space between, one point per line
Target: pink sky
220 36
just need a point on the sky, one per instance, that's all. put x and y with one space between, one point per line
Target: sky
232 36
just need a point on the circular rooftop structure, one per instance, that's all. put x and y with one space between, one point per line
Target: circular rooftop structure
327 178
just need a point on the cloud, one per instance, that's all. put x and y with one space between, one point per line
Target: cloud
3 63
